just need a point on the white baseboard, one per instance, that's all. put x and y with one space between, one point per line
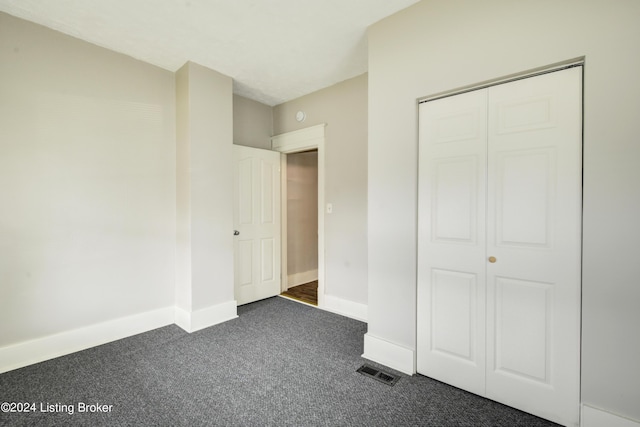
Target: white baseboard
205 317
345 307
38 350
593 417
301 278
389 354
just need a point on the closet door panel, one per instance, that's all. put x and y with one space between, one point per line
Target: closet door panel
533 232
454 204
451 244
523 328
524 196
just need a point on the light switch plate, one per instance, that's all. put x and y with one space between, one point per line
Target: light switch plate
329 208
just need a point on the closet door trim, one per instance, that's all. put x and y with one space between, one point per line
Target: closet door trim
577 62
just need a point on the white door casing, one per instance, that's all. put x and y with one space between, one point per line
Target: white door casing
507 329
310 138
256 209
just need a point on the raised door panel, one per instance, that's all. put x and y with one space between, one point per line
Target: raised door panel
267 260
244 264
267 188
523 329
524 197
453 310
269 183
244 190
454 200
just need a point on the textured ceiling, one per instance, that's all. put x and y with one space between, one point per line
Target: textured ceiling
275 50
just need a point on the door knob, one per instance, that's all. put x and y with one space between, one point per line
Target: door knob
236 233
492 259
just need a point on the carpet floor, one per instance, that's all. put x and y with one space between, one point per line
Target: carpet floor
280 363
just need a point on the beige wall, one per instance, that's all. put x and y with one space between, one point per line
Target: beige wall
437 46
205 196
252 123
302 214
87 184
343 107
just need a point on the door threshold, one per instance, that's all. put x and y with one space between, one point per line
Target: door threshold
297 300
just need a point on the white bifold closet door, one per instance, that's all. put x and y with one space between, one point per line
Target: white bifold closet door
499 245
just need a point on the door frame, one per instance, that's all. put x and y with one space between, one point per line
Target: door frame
311 138
575 62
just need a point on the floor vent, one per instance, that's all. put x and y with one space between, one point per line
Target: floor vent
376 374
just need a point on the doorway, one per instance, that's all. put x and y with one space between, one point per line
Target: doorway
301 197
299 141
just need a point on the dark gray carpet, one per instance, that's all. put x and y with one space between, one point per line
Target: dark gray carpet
280 363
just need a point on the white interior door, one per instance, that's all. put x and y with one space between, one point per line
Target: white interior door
499 296
257 206
451 240
534 233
